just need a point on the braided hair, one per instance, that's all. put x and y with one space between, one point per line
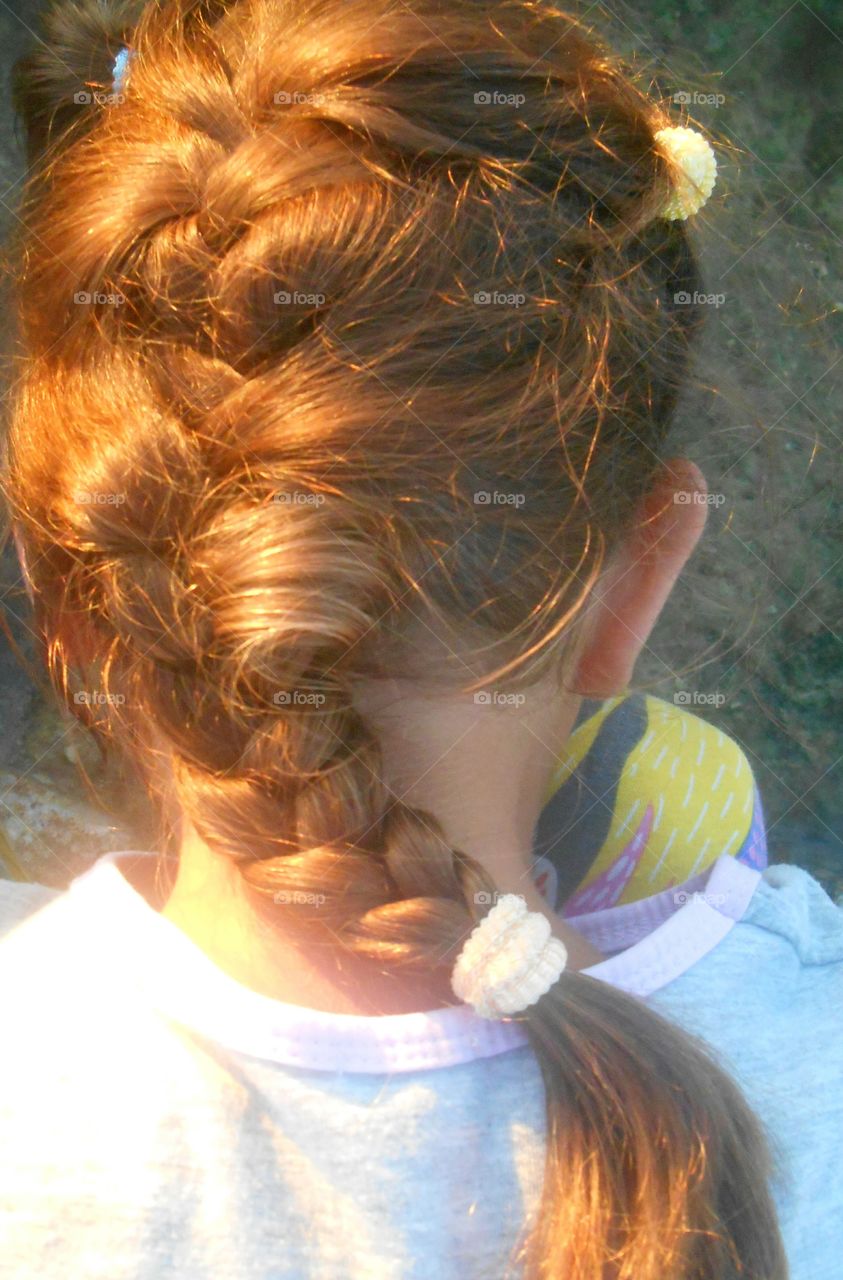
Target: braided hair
326 274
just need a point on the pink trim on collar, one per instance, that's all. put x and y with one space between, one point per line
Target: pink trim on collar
662 937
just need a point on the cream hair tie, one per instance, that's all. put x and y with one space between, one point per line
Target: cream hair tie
509 960
695 167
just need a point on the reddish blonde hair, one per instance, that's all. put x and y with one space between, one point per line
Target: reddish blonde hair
280 394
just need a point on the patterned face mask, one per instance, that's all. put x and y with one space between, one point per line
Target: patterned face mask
647 796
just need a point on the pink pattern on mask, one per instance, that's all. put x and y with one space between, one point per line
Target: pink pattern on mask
610 884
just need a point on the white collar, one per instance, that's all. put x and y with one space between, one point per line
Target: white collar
661 937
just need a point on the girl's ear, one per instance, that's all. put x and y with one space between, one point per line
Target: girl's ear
633 591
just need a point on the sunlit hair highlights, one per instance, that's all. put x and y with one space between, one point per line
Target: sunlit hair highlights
349 265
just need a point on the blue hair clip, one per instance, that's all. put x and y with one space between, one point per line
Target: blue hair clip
121 70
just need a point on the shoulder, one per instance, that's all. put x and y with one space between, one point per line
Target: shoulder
790 904
773 982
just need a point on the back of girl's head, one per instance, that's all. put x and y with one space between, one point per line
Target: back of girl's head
343 318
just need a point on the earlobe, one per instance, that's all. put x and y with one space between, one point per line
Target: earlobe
634 589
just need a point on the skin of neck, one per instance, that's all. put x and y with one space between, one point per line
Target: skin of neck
481 768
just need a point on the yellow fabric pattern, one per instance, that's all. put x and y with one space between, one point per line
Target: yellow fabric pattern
684 795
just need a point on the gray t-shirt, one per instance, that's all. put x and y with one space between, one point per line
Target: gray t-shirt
159 1120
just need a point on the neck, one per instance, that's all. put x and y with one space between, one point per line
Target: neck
481 770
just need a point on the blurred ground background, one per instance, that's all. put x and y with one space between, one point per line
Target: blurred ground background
759 616
757 620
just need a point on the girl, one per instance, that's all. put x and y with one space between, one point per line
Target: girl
350 334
